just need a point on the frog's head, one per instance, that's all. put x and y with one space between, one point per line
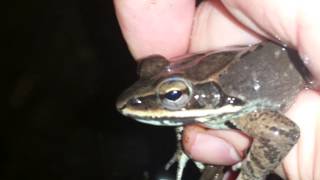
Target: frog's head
174 94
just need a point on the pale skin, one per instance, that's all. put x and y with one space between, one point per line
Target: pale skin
173 28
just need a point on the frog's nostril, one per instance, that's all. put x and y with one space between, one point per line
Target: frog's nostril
135 101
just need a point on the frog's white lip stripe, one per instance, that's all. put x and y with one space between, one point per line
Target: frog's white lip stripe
160 122
152 122
157 115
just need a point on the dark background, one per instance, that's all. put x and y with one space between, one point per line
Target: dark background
64 63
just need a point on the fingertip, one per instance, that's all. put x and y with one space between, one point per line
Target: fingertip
156 27
214 27
207 148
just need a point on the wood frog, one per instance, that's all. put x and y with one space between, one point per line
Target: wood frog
243 88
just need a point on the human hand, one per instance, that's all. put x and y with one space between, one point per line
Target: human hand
173 28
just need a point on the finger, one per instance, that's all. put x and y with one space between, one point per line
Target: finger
214 146
293 22
215 27
156 27
304 159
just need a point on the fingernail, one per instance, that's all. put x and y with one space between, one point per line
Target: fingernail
234 154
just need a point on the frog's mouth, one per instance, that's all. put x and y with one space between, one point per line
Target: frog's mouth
178 118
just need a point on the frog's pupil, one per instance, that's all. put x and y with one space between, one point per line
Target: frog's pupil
173 95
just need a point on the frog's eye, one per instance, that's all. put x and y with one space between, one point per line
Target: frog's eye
174 93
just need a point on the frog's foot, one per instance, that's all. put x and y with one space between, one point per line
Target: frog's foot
182 159
179 156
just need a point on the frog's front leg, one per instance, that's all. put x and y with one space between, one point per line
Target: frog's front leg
274 136
180 157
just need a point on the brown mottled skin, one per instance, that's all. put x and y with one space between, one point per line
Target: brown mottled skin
274 135
257 84
212 173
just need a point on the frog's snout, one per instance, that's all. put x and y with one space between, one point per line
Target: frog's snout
124 102
121 103
120 106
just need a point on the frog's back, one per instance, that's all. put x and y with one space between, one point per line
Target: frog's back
264 74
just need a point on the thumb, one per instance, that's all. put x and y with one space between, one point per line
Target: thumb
295 23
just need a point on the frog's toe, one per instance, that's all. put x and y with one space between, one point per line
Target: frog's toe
181 158
237 166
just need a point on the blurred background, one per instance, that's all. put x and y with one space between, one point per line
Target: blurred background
64 63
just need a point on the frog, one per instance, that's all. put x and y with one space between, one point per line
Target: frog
247 88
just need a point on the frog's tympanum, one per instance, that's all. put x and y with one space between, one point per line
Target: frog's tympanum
243 88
